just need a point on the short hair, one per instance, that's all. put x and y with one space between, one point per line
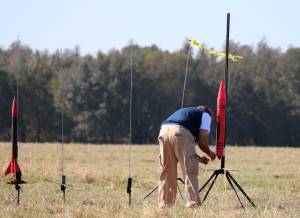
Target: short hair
206 109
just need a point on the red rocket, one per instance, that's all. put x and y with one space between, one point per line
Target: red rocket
221 119
13 166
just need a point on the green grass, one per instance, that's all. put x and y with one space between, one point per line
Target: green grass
98 175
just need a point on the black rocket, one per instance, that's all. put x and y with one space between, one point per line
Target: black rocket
13 166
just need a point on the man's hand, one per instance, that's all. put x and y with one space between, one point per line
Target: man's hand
203 159
203 144
212 155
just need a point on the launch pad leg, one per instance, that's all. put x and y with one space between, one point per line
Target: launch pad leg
230 183
240 188
211 185
179 179
180 192
207 181
150 192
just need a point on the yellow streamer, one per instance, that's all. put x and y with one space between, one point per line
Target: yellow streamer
193 42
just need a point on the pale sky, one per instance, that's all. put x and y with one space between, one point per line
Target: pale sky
105 24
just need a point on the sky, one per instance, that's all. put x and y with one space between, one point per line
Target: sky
95 25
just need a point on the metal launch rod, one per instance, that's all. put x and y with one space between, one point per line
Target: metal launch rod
185 75
129 182
226 85
63 185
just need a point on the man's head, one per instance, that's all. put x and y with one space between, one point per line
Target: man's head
206 109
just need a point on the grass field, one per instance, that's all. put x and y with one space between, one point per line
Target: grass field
98 175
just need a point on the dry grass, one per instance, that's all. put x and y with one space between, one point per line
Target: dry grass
98 174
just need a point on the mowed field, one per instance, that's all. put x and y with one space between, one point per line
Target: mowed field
98 175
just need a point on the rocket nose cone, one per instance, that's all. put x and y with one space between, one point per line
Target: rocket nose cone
221 93
14 108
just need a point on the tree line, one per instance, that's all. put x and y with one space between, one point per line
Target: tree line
92 93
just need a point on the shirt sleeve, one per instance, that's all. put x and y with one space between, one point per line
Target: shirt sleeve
205 122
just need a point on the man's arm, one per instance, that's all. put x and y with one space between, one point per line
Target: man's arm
203 143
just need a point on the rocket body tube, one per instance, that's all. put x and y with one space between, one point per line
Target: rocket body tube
221 119
14 116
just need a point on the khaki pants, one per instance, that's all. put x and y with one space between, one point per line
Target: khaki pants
177 145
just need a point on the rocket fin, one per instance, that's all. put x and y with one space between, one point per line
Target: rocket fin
8 170
13 168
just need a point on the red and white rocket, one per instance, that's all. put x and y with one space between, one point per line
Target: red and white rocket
221 119
13 166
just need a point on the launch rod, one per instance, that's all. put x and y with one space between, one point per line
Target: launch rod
226 84
185 75
62 136
18 63
129 182
18 69
63 186
62 143
227 54
130 112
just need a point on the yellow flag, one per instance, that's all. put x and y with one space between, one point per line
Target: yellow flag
193 42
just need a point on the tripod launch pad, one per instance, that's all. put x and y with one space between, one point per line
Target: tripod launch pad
232 182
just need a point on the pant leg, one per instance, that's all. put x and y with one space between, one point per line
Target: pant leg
168 177
186 154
